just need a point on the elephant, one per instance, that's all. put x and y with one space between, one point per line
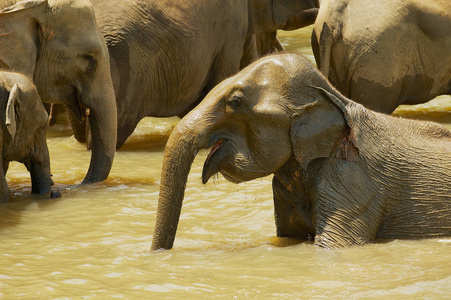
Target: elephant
385 53
344 175
23 130
57 43
166 55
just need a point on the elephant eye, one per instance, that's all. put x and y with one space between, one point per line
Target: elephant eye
89 63
235 101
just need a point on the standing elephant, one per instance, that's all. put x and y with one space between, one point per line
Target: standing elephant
343 175
166 55
58 44
22 135
385 53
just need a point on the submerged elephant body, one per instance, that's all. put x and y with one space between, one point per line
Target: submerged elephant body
22 134
57 43
385 53
166 55
343 175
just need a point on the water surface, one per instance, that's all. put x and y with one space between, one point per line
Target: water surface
93 242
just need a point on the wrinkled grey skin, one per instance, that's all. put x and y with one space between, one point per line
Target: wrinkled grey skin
343 175
58 44
22 135
166 55
385 53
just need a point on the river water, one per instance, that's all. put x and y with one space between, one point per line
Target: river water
93 242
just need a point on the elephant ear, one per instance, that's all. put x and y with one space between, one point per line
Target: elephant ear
22 6
19 35
324 130
10 118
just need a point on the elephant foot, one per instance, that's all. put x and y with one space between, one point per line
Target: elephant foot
55 194
284 241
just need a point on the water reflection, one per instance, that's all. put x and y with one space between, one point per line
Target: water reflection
94 241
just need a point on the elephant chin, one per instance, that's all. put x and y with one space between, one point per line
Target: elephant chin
219 153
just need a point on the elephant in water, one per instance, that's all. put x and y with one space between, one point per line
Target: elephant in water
343 175
166 55
385 53
58 44
24 124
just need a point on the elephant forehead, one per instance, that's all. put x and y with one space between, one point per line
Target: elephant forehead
258 81
72 15
268 72
265 70
81 36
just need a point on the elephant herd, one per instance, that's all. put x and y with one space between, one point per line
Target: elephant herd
344 173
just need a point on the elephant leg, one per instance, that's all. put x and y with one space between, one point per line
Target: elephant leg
348 207
334 231
4 191
193 105
126 125
123 134
375 96
5 166
292 220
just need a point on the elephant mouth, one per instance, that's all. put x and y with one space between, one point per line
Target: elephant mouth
217 155
74 104
215 147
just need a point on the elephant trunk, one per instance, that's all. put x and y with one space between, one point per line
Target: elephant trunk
181 149
41 180
103 126
39 168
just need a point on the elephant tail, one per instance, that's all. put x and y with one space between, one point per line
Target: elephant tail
322 44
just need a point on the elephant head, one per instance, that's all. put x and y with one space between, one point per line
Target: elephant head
268 16
24 128
58 44
255 122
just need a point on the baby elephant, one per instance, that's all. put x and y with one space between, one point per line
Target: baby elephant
343 175
23 129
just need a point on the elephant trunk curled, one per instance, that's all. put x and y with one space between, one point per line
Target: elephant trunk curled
179 154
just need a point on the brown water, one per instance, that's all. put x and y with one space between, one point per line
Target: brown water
93 242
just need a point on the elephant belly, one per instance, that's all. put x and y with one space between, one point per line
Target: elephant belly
416 220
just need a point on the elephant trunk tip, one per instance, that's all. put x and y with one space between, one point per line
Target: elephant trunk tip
40 189
158 246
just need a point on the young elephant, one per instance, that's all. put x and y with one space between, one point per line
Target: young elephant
343 175
22 137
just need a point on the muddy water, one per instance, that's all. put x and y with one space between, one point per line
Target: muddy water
93 242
